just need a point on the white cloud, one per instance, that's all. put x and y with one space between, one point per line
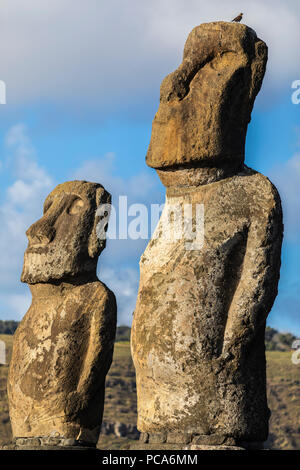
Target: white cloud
115 54
22 205
285 313
143 188
286 178
31 178
123 281
104 171
20 208
118 264
17 303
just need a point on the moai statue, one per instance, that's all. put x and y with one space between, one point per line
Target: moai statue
199 323
63 347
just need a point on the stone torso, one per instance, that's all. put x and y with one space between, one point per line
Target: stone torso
187 312
62 351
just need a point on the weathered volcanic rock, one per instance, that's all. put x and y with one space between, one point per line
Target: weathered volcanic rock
63 346
205 105
204 295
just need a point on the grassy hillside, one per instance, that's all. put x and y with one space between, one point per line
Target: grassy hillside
120 404
284 400
5 430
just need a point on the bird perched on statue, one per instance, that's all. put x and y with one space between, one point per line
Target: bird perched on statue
238 18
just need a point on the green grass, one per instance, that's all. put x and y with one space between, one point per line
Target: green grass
122 350
280 366
120 403
5 429
283 379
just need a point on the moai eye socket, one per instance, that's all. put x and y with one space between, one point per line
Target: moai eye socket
76 207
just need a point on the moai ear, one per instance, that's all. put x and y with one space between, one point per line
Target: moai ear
258 68
96 244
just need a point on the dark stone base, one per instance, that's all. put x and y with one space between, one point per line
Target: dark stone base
48 443
186 441
140 446
41 448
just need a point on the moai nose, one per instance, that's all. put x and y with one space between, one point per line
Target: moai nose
41 232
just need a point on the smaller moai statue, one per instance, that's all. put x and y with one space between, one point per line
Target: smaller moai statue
63 346
198 328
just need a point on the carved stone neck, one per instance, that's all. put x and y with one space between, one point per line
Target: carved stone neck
187 177
57 288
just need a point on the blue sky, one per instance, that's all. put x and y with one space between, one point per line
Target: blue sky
82 89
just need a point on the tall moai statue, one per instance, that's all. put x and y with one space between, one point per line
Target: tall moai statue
63 347
198 329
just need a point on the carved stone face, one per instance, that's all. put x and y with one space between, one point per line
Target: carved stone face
63 243
205 105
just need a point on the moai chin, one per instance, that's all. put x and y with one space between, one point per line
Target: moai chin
63 347
198 328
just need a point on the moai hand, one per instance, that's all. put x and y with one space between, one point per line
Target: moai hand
63 347
198 329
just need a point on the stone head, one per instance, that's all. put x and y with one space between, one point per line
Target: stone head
63 244
205 105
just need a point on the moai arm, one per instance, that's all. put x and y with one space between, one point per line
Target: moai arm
101 342
101 326
257 287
